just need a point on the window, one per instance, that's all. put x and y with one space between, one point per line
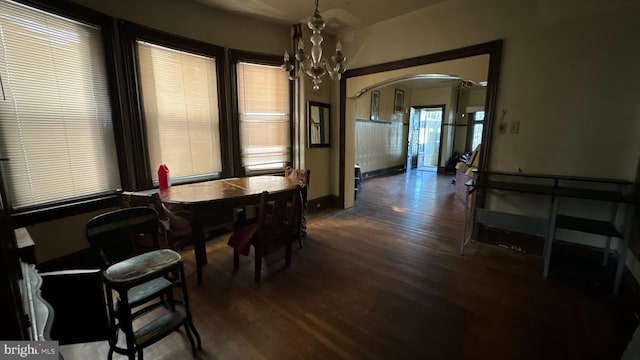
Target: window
176 88
56 128
477 121
264 115
180 105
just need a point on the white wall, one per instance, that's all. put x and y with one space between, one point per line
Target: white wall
568 72
568 76
379 145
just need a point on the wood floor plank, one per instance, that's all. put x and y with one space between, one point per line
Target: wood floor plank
384 280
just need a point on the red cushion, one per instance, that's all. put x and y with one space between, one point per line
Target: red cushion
241 238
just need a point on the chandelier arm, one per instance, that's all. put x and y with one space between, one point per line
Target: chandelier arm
314 64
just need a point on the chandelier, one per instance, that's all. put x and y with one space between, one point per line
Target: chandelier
315 65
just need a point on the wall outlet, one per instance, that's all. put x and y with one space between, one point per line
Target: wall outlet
514 127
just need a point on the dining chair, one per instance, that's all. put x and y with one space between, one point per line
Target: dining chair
175 224
144 285
272 229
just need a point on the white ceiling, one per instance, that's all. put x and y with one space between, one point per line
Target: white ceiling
340 15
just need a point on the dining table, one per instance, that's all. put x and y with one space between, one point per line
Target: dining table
205 199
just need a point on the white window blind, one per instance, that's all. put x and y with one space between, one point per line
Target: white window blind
265 121
55 114
180 105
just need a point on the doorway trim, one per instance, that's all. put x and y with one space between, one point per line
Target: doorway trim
492 48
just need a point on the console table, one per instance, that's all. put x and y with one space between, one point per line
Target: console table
618 194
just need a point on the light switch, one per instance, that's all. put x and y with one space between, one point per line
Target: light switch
514 127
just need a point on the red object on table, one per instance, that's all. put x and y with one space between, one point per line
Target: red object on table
163 177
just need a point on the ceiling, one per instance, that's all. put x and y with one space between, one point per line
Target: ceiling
340 15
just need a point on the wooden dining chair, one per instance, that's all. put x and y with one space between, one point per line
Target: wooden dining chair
272 229
175 224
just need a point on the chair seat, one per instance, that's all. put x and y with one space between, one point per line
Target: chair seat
148 290
241 238
142 267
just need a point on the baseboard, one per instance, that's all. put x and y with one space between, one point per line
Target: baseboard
321 203
393 169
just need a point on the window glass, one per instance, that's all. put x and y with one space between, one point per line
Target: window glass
478 119
264 116
55 108
180 107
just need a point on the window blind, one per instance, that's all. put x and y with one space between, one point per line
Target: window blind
264 116
55 113
180 106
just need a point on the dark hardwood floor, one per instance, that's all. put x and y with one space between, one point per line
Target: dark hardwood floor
383 280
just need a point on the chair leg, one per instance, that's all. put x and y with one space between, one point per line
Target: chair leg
190 337
258 262
236 259
197 335
287 255
140 352
185 296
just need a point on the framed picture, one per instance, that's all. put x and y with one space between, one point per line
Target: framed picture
375 104
398 101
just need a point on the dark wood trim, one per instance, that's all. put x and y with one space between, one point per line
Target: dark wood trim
129 34
492 48
236 56
442 125
321 203
341 168
393 169
57 212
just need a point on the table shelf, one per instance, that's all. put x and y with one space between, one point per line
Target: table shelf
599 227
613 191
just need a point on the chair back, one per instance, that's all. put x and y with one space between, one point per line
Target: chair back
304 178
134 199
281 224
113 235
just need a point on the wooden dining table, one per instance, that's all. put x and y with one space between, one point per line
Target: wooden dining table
205 199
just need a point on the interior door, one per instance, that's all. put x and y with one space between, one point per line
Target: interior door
414 133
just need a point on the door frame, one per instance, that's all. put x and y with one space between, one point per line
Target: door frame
492 48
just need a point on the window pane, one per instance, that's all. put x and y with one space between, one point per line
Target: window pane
56 116
477 136
180 105
265 121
